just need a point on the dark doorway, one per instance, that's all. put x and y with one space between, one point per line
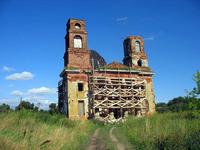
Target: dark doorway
117 112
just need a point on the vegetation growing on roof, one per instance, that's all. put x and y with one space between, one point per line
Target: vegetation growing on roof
71 68
118 66
110 68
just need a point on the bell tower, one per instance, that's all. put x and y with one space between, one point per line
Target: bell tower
73 88
76 51
134 54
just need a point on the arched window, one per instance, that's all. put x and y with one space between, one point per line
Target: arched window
137 46
77 26
77 41
139 63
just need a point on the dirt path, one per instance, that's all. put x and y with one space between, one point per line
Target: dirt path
99 141
96 142
93 143
115 141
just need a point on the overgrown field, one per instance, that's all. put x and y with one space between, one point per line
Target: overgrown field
170 131
25 129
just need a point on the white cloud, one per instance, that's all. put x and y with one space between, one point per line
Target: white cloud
122 19
20 76
42 91
151 38
7 69
41 101
16 93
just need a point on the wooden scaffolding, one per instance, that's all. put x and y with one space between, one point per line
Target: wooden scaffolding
117 96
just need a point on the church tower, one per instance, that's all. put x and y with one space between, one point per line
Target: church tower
136 58
73 88
134 54
76 54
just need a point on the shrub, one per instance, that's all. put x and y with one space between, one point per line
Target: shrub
4 107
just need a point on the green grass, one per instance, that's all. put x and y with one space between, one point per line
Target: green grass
39 130
163 131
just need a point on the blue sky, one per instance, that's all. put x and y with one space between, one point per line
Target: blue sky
32 42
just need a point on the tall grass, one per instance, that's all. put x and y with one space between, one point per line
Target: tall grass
38 130
164 131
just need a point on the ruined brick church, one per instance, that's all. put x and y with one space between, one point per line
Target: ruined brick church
91 88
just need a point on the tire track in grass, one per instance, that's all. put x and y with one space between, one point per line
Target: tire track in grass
115 141
93 141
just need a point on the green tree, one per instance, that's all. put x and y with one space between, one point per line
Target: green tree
178 104
196 78
194 103
189 102
25 105
4 107
53 108
162 107
196 90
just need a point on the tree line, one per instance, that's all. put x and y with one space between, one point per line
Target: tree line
53 107
183 103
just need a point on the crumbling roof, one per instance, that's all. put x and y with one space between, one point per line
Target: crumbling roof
119 66
116 65
96 59
147 69
98 62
